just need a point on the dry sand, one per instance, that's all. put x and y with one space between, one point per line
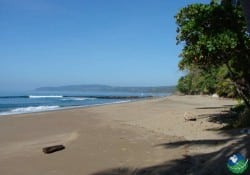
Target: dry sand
144 137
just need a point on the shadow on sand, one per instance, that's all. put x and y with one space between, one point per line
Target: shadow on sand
213 163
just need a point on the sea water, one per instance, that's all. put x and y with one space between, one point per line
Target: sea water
28 102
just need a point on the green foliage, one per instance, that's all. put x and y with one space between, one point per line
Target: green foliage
212 33
184 84
199 81
241 115
215 43
240 107
243 119
224 86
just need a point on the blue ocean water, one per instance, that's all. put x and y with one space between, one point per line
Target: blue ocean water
28 102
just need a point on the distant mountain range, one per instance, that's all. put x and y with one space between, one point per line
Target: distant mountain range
105 88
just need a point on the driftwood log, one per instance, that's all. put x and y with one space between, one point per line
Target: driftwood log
52 149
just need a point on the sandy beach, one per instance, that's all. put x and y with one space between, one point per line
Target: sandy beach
153 136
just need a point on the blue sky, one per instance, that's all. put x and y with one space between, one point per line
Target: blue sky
112 42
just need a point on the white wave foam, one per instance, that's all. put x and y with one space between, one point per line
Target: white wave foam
83 98
77 98
118 102
45 96
30 109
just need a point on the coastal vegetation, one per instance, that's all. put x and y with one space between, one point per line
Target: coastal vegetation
216 51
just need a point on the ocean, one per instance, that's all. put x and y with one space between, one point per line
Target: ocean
34 101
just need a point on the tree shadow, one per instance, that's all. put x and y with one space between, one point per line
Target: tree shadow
213 163
215 107
202 162
212 142
176 167
224 117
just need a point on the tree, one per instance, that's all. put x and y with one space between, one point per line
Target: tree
214 35
200 81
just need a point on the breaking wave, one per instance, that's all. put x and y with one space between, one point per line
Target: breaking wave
30 109
45 96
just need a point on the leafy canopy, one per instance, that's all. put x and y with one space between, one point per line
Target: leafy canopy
212 34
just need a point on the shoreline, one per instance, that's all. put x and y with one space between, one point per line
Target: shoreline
84 106
104 104
63 108
100 139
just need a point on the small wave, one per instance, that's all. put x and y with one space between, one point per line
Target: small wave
118 102
46 96
77 99
30 109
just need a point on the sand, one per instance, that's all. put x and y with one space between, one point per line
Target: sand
144 137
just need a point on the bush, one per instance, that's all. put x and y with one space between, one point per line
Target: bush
207 82
243 119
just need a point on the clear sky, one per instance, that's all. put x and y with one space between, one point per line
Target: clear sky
65 42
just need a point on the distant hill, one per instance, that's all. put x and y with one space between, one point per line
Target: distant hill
105 88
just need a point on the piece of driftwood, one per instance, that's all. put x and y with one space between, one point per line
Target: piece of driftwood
191 119
52 149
